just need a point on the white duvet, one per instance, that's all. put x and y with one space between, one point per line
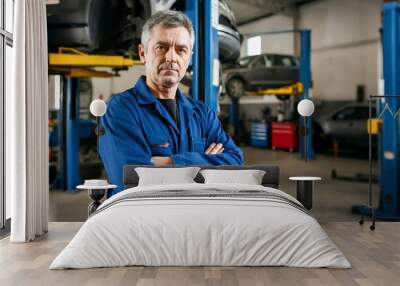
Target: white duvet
188 231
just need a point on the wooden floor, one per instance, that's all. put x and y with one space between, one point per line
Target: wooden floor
375 257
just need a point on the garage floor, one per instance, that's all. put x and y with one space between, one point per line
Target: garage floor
374 256
332 198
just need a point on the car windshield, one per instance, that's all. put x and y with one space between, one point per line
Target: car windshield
245 61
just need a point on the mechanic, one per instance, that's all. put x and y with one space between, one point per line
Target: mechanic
154 123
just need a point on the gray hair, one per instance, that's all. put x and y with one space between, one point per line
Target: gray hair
169 19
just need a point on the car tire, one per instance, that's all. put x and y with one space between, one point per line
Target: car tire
235 88
321 142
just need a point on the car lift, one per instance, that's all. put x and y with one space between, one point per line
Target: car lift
205 64
389 108
389 207
302 87
295 89
73 65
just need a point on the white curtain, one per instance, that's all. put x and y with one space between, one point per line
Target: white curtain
26 124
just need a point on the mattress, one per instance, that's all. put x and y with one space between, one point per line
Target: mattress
201 225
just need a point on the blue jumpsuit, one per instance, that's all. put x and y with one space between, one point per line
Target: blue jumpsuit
138 127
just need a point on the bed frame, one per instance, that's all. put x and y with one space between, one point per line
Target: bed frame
270 179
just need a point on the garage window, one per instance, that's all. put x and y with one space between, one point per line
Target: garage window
254 46
6 43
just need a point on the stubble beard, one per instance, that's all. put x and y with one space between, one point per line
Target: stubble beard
169 81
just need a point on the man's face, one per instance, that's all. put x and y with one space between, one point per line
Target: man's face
167 55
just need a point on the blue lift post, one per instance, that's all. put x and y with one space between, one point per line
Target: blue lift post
305 78
389 153
192 11
205 61
210 49
69 141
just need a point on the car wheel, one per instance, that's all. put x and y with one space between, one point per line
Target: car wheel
321 142
235 88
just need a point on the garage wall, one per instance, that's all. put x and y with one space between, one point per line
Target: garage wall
277 43
108 86
345 42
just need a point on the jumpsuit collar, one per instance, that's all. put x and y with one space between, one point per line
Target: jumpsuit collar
146 97
185 108
143 92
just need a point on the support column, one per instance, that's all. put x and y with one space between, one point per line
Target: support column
210 48
192 11
305 78
390 133
70 148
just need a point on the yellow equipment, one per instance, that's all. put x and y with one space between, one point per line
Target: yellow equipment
295 89
75 63
79 59
374 125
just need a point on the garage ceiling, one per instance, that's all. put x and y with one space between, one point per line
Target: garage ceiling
251 10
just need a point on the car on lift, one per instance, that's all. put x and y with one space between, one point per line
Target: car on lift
253 73
229 38
345 124
101 26
114 27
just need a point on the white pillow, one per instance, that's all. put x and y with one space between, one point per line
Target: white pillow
166 176
248 177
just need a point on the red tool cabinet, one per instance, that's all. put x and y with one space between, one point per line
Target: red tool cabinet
284 136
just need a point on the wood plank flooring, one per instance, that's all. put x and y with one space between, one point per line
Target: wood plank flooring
375 257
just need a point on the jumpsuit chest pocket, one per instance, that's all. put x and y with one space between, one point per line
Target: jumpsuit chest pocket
198 145
161 148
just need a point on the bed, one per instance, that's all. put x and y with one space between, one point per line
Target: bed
201 224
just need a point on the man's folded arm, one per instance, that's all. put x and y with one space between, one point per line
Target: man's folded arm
232 155
195 158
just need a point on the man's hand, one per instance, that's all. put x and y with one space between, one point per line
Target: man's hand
214 149
161 161
211 150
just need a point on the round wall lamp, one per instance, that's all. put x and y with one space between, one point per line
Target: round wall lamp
305 108
98 107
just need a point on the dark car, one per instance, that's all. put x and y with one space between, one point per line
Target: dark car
114 27
229 38
263 71
346 125
101 26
